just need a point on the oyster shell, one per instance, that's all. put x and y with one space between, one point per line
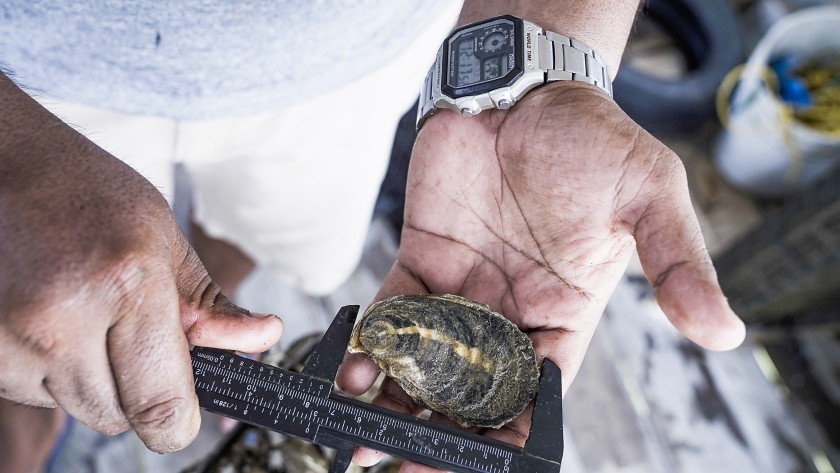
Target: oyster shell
451 355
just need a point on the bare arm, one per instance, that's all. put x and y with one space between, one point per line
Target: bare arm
602 24
95 277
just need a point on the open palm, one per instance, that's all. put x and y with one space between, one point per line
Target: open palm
536 211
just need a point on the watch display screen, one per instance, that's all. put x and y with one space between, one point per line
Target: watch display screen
481 54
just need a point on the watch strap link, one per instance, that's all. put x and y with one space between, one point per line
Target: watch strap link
426 106
564 58
560 57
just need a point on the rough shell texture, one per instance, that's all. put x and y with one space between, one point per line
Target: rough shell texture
451 355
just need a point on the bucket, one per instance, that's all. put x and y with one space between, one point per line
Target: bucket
764 150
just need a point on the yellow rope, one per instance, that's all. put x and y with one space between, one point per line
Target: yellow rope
823 116
823 83
727 87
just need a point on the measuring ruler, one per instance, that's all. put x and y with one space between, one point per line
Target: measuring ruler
304 405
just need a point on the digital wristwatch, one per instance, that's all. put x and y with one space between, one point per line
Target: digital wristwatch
493 63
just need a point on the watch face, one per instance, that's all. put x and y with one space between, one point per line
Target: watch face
482 57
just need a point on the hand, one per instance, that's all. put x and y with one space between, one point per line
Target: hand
100 293
536 211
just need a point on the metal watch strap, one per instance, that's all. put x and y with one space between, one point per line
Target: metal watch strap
561 58
426 104
564 58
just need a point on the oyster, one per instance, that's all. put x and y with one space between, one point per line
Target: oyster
451 355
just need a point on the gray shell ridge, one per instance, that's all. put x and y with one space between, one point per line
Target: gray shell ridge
451 355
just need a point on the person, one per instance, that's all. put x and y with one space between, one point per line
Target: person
535 210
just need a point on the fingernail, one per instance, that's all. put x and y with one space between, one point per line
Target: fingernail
260 315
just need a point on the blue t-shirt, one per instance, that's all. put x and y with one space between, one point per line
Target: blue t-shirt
195 59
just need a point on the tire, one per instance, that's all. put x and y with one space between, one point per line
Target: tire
708 35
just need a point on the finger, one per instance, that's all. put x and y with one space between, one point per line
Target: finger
86 390
565 347
677 264
151 365
223 324
209 319
516 431
390 396
22 372
366 457
83 383
411 467
357 372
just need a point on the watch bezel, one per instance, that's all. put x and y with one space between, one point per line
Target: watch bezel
484 87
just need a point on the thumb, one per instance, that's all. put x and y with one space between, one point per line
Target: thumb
679 268
210 319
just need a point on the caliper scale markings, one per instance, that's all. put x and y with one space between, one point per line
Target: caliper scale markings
304 405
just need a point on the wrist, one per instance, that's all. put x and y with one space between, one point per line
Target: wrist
603 25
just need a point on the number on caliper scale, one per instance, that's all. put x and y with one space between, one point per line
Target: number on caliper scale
304 405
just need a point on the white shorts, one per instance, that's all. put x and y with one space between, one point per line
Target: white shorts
294 188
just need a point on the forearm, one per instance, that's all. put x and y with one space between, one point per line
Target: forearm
602 24
19 115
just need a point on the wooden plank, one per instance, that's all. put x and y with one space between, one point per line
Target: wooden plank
694 411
